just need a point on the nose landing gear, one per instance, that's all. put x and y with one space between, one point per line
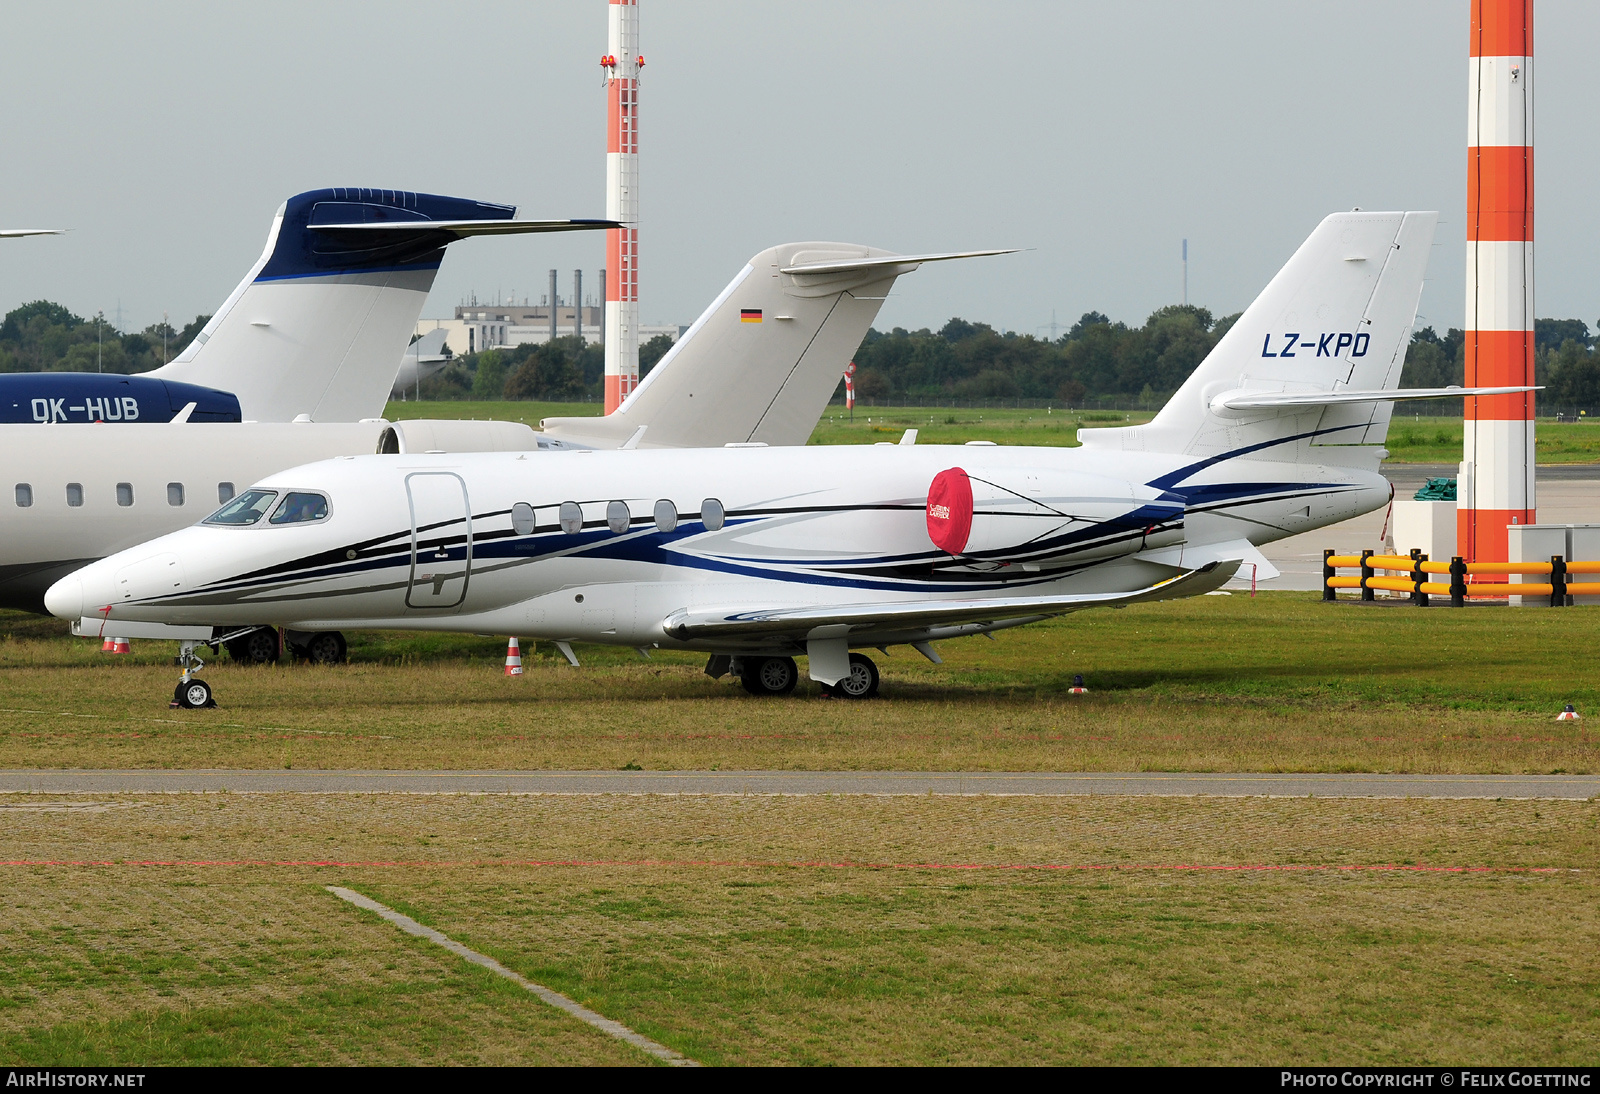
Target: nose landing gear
192 693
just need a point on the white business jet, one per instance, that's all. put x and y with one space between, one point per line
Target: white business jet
310 342
307 345
756 554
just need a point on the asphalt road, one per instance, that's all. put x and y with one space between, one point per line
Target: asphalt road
1043 783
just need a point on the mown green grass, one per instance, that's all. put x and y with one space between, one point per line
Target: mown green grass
1277 682
743 930
1411 439
229 967
1438 440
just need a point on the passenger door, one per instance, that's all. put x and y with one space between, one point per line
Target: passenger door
441 540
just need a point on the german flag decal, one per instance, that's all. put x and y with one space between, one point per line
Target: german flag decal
749 315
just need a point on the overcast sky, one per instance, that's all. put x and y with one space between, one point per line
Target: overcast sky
1098 135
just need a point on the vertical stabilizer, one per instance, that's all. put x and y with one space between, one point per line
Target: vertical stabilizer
1337 317
763 360
319 324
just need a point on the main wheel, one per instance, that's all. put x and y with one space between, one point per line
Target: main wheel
326 648
769 675
862 683
194 695
259 647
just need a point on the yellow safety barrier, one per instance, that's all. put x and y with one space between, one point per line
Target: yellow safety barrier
1557 589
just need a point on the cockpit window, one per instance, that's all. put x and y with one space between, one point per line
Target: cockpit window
297 508
247 508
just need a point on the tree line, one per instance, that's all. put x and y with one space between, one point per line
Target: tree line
46 337
1096 361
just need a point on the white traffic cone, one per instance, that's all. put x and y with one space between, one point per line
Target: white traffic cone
1077 687
1569 715
513 659
120 645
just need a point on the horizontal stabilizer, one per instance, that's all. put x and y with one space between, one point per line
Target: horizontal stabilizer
888 262
798 623
1267 400
461 229
17 233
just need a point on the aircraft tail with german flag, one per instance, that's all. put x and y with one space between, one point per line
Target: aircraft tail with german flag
761 363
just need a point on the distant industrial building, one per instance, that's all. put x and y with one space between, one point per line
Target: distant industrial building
476 327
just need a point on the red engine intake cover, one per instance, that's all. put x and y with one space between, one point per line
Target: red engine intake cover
950 510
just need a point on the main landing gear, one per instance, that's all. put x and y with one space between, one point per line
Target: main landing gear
769 675
256 647
779 675
192 693
260 646
862 683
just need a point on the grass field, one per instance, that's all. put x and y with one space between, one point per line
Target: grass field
1277 682
1411 440
720 942
189 928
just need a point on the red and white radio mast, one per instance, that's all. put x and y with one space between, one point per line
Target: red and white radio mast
622 63
1497 484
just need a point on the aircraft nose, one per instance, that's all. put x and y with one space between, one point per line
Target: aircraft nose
64 599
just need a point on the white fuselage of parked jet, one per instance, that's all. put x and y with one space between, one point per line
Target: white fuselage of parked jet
734 550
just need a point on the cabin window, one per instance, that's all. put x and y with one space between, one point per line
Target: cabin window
175 494
571 518
124 494
247 508
618 517
24 495
666 516
300 507
224 493
75 494
522 519
711 514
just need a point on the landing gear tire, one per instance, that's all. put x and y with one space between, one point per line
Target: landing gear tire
769 675
193 695
259 647
862 683
326 648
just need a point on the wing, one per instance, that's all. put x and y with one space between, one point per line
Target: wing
802 623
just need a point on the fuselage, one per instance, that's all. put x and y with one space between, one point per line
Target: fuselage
602 546
73 494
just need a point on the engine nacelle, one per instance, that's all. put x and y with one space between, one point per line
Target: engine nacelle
443 435
1031 516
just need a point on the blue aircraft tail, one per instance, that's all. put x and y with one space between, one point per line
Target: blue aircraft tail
318 326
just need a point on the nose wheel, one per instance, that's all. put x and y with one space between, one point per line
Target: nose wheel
192 693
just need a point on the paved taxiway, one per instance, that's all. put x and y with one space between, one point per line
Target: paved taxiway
1041 783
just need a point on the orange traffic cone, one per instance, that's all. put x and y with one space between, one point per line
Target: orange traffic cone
109 645
120 645
1568 715
513 659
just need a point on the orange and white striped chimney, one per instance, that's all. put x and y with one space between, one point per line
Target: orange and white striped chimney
622 62
1496 487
